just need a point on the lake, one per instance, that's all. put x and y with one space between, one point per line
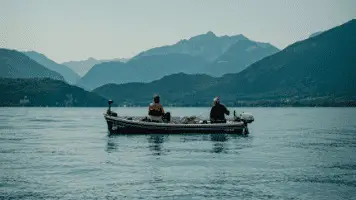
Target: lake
66 153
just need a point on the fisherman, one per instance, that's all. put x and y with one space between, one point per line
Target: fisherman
218 111
155 109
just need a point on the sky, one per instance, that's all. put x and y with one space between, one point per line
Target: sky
66 30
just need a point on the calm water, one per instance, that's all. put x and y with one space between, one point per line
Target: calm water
291 153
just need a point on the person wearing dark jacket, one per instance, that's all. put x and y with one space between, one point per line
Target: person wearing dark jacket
218 111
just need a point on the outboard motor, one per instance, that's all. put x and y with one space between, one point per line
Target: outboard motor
247 117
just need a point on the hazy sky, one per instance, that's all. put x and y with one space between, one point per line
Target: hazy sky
67 30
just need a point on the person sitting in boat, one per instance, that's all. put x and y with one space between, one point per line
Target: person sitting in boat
155 110
218 111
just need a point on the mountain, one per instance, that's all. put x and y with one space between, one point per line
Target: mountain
207 46
103 73
173 89
141 69
83 66
315 34
319 66
45 92
155 64
239 56
69 75
320 70
14 64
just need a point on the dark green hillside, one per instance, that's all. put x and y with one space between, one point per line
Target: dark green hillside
45 92
177 88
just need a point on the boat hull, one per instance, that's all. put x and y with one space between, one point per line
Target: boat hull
117 125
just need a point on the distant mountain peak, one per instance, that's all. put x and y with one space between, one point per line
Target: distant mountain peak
91 59
34 53
208 46
207 36
240 37
210 33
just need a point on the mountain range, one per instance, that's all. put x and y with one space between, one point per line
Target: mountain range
14 64
207 46
192 56
81 67
320 68
323 66
141 69
69 75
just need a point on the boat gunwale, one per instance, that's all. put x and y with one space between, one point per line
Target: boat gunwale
172 125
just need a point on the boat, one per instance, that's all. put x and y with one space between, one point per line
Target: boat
142 125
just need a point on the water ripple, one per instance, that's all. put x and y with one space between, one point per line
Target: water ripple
66 153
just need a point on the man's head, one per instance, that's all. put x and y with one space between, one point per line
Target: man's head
156 99
216 100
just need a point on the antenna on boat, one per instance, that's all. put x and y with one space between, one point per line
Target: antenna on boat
109 112
110 102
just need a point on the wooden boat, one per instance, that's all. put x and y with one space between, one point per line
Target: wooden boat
132 125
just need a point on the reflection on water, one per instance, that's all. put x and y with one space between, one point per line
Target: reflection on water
219 137
155 144
219 142
111 145
218 147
